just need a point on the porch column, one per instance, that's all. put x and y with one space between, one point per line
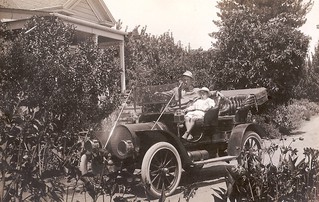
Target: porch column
122 66
96 39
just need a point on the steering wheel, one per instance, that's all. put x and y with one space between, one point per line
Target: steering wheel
197 139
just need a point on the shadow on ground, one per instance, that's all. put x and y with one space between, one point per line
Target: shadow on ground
206 177
203 179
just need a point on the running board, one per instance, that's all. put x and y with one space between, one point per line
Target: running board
213 160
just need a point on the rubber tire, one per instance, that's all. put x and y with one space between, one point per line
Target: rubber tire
249 135
146 164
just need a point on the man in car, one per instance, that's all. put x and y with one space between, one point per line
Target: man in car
187 92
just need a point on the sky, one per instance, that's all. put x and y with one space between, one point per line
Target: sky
190 21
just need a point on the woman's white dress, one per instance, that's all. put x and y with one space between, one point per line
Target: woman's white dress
198 109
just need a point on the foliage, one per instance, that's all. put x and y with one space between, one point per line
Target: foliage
292 115
268 125
315 59
146 53
51 92
30 162
308 87
283 119
201 63
259 44
106 178
189 191
153 60
290 180
311 107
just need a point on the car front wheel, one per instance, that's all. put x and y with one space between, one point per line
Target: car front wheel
161 169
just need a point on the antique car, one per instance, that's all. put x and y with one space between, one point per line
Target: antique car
153 143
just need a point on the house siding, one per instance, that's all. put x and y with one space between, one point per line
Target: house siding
83 11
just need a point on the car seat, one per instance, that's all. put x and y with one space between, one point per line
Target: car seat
211 116
231 104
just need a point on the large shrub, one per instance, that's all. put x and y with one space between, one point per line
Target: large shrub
150 59
308 87
51 92
277 120
291 116
153 60
254 45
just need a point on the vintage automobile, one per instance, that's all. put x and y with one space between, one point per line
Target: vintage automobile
153 143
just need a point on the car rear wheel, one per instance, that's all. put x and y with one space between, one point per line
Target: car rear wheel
251 146
161 169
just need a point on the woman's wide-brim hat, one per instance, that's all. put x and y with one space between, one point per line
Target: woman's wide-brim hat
205 89
188 74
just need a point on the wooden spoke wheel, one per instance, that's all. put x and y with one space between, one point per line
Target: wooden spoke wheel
251 146
161 169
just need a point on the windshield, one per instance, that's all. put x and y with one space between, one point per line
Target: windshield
153 99
154 94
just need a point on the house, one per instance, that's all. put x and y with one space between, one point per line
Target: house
91 18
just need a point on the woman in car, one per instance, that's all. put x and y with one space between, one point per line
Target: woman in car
197 111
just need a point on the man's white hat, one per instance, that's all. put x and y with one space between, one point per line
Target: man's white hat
189 74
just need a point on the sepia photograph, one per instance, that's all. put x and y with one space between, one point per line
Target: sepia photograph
159 101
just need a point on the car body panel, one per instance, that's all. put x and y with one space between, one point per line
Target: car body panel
219 137
237 134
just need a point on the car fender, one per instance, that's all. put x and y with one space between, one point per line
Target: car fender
237 134
151 137
126 132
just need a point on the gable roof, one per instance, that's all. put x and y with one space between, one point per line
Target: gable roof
90 10
32 4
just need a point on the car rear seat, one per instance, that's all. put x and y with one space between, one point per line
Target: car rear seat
231 105
237 106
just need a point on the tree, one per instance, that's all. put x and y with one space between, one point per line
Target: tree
315 59
51 92
308 86
153 60
42 65
259 44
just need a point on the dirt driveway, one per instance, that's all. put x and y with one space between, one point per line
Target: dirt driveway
212 176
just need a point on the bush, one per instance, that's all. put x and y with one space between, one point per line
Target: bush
29 155
290 180
311 107
291 116
283 119
50 93
154 60
268 125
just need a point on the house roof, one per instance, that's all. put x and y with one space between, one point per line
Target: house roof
32 4
89 10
